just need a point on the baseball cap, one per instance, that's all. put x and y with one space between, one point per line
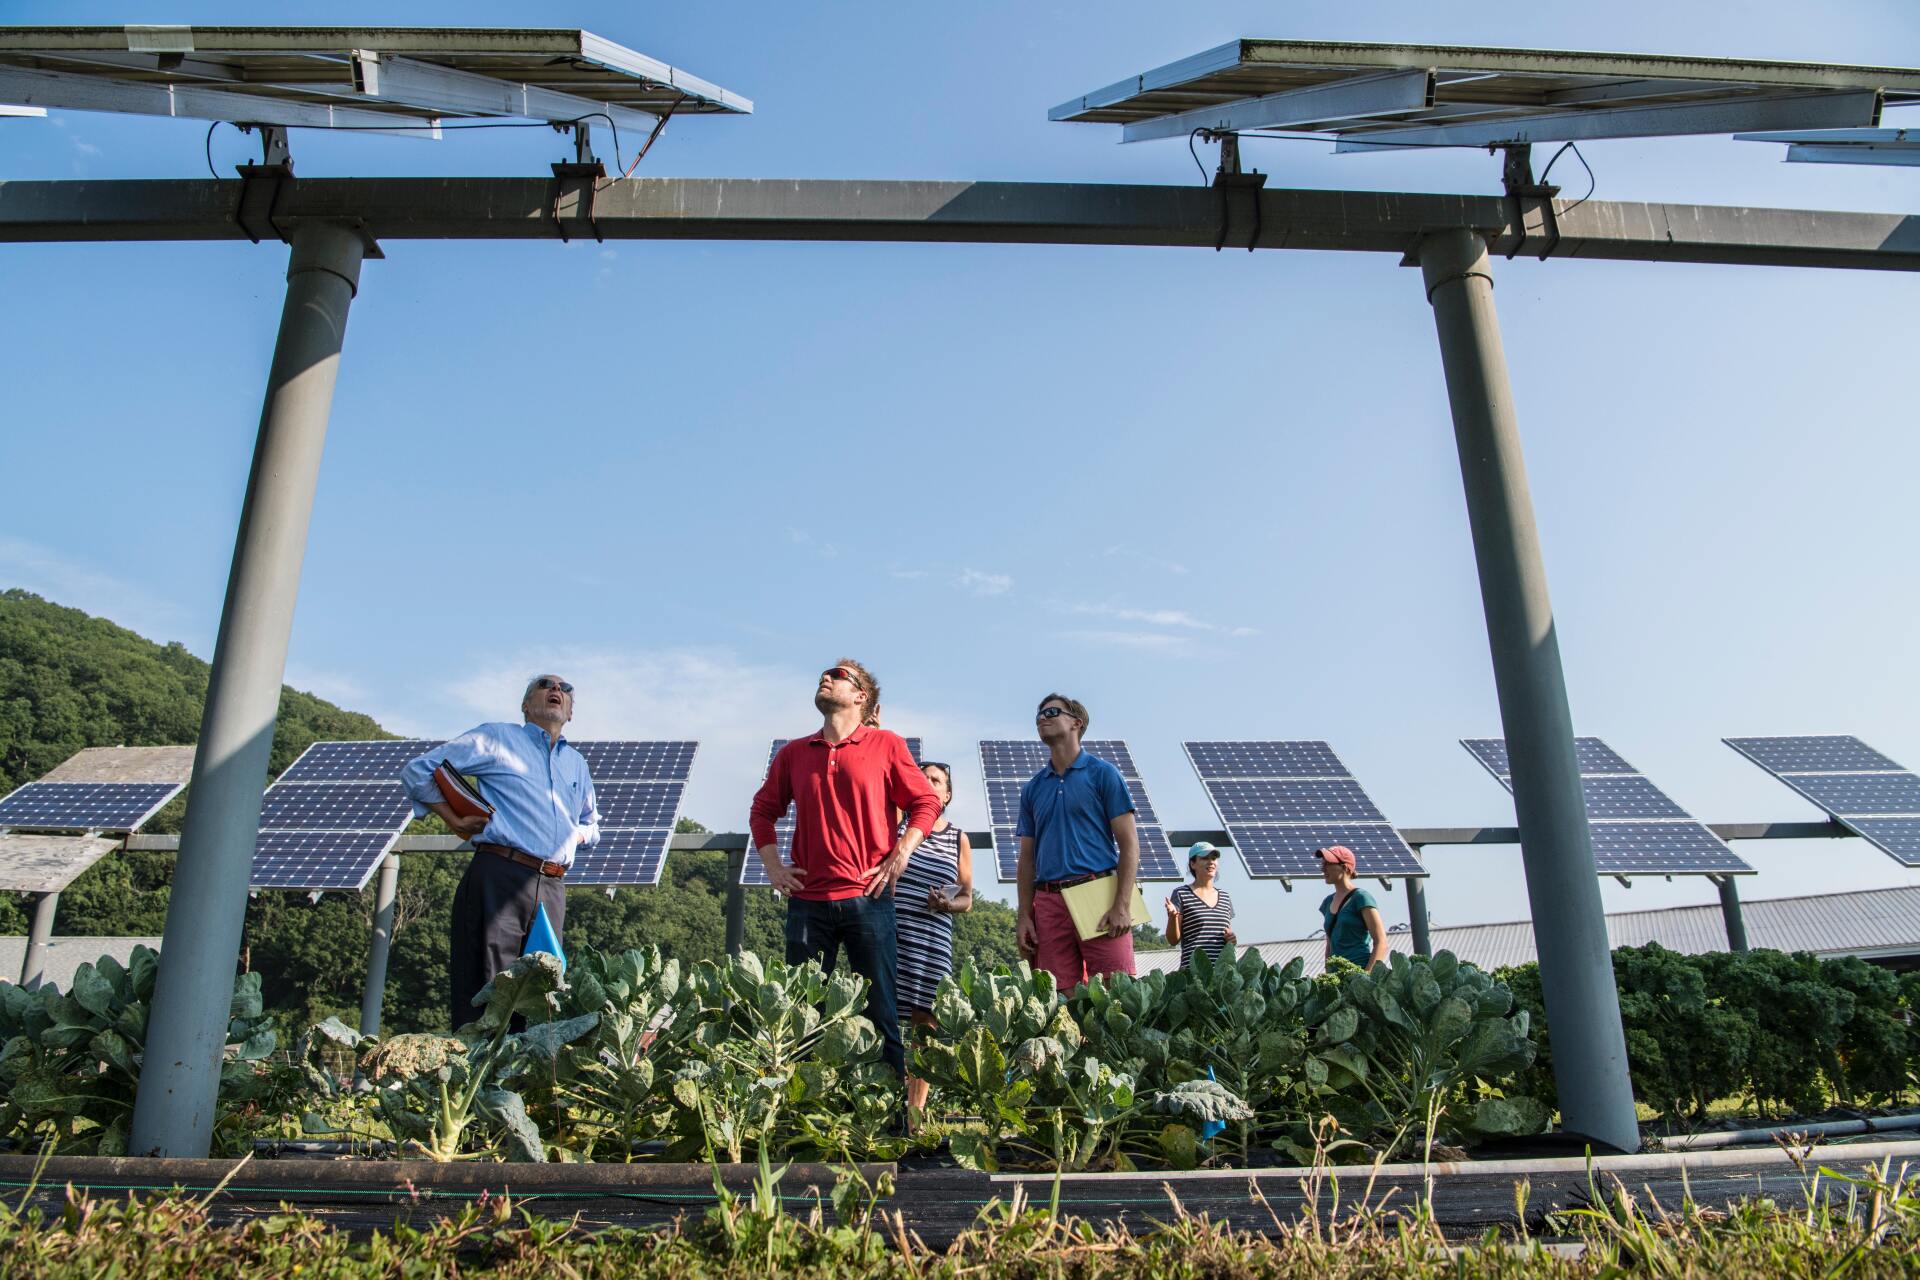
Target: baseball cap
1201 849
1337 853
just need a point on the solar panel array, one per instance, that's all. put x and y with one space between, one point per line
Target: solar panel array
638 786
1637 829
1283 801
1860 788
1008 764
333 815
84 806
752 870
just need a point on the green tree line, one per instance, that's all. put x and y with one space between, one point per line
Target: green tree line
69 680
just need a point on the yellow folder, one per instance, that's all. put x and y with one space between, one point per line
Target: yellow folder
1088 902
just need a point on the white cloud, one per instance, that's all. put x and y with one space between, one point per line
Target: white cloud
1147 561
1155 640
1179 618
801 538
336 687
981 583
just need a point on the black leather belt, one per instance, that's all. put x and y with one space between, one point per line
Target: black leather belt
1055 886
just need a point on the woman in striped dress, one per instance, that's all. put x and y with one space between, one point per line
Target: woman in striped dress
1200 915
936 885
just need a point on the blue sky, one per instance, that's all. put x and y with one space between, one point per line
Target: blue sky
1211 495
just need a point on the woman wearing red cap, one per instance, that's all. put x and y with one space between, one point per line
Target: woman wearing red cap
1354 929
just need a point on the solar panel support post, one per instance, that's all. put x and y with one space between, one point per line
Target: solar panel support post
1730 912
193 993
381 945
736 902
1569 920
1417 916
33 966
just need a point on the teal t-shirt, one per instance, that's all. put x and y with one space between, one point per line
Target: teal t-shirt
1349 935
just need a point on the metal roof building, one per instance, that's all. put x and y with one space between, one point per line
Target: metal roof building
1881 925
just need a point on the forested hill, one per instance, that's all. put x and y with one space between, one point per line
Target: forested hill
70 680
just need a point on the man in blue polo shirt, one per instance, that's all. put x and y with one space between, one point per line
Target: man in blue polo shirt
1076 825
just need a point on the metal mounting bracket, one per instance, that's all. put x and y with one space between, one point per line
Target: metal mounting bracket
1527 197
1229 178
581 177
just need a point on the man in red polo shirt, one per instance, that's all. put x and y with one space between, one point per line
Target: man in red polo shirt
846 783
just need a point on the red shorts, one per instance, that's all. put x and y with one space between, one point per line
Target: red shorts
1070 958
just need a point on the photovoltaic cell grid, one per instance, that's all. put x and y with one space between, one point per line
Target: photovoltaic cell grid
84 806
1008 764
333 815
1862 789
638 786
752 870
1636 828
1282 801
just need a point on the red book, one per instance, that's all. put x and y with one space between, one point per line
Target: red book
461 795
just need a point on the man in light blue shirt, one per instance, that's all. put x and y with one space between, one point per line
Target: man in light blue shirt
543 810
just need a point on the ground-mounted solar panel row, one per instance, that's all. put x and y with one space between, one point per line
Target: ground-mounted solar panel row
752 870
84 806
1008 764
1282 801
1636 828
337 810
1858 787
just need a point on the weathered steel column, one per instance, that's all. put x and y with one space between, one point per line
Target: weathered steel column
1730 912
180 1075
382 943
736 901
1569 922
33 966
1417 916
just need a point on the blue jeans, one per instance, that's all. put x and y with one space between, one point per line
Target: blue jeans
864 928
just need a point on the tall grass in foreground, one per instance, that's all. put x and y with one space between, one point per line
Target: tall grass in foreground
1855 1226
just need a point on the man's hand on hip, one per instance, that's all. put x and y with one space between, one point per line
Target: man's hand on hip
881 879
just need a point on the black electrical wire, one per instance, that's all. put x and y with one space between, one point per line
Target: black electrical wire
1192 151
1592 182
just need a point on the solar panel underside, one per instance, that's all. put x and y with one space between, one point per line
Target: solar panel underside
1282 801
84 806
1860 788
752 870
1009 764
1636 828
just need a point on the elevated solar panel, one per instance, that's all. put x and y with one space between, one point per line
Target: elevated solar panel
752 870
1281 801
1865 791
355 761
638 786
1369 96
335 806
1009 764
1636 828
84 806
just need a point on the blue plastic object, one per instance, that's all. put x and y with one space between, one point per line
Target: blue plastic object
542 938
1208 1128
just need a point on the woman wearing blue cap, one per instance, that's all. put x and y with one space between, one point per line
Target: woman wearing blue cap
1200 915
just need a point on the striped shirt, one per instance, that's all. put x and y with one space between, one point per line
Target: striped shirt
1202 927
925 937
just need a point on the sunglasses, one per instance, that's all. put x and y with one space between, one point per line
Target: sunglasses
840 673
546 682
935 764
1049 713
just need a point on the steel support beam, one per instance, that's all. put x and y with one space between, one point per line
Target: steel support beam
193 993
1417 916
1730 912
33 966
1569 919
954 212
380 946
736 903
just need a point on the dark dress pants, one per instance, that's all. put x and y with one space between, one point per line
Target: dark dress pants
865 929
493 912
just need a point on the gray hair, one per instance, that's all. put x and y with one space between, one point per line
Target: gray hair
533 682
